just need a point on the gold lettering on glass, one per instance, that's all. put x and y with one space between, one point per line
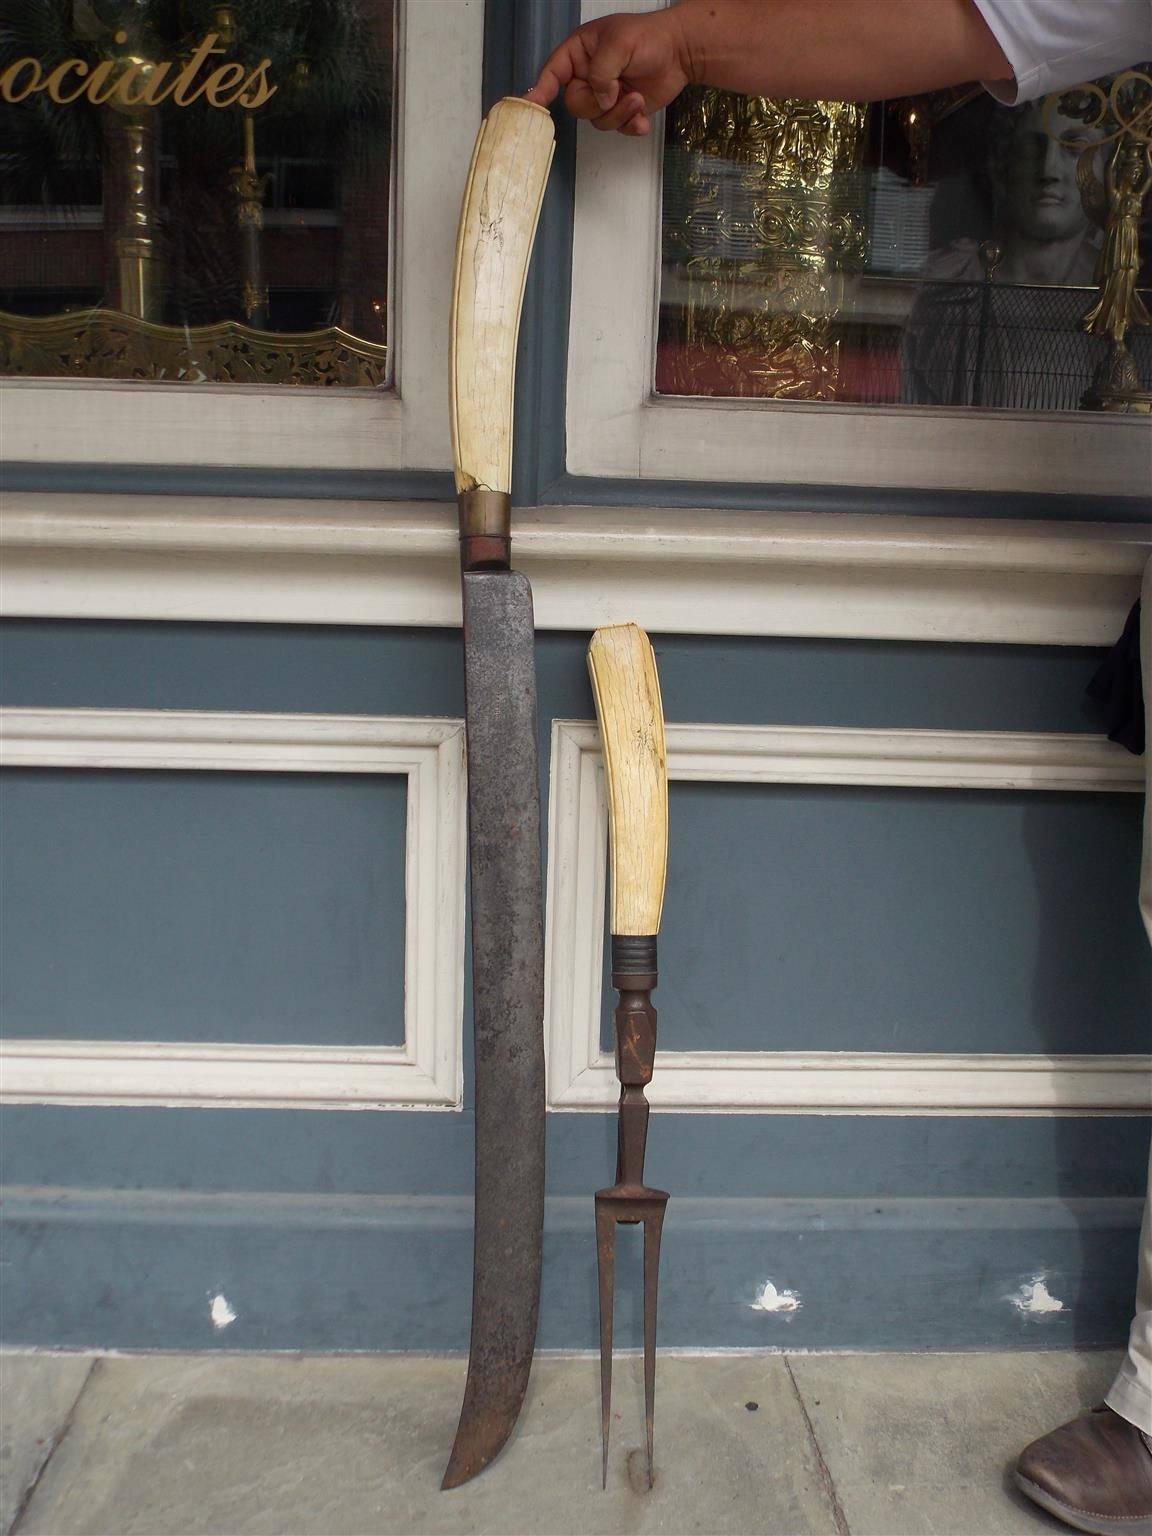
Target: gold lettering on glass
134 83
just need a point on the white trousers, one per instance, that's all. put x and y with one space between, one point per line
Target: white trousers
1131 1392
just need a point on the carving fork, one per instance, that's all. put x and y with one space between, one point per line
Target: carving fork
627 690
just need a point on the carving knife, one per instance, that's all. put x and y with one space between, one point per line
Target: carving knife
497 224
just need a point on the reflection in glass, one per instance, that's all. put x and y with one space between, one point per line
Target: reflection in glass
942 251
195 191
996 321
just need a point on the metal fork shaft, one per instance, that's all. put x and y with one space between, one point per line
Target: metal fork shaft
616 1207
605 1283
629 1202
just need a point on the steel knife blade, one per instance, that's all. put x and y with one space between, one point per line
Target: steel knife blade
497 225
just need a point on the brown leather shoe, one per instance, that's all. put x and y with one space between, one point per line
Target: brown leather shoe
1094 1474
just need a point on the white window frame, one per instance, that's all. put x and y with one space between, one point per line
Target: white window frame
582 1075
438 85
616 426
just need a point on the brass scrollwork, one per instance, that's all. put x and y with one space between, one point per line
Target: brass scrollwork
764 213
101 344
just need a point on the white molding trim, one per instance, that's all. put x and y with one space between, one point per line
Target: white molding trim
438 52
426 1070
616 426
582 1077
673 570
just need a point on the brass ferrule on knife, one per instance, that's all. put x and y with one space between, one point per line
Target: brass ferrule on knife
485 529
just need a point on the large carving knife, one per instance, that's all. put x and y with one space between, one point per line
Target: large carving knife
497 224
627 689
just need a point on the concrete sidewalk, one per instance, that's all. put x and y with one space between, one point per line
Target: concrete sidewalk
848 1445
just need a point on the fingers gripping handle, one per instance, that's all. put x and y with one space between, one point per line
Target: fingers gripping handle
627 689
497 225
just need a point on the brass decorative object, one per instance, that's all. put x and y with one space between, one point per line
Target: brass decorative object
990 255
130 141
919 116
1119 116
764 213
224 22
101 344
248 186
131 168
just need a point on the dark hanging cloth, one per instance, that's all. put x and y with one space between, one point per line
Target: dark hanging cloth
1118 686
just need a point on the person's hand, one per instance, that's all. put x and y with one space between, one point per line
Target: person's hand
619 70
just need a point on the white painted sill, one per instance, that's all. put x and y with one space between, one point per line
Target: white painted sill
673 570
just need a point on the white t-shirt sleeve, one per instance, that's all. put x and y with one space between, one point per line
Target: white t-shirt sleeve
1053 44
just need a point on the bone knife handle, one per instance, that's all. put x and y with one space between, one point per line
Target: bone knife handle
627 689
498 219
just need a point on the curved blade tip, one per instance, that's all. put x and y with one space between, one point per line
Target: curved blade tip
457 1473
471 1454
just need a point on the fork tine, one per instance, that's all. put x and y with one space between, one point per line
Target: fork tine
605 1275
653 1228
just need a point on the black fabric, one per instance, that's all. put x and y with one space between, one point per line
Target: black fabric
1118 685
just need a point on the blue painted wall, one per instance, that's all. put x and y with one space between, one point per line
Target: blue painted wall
848 919
804 918
255 908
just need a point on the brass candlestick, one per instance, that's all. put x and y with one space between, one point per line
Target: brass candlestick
248 186
132 150
248 189
130 137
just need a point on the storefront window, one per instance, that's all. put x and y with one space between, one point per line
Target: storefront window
943 251
195 192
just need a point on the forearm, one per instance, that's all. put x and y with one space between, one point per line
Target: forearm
619 69
856 50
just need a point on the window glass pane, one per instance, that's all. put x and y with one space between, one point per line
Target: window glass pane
196 192
941 251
